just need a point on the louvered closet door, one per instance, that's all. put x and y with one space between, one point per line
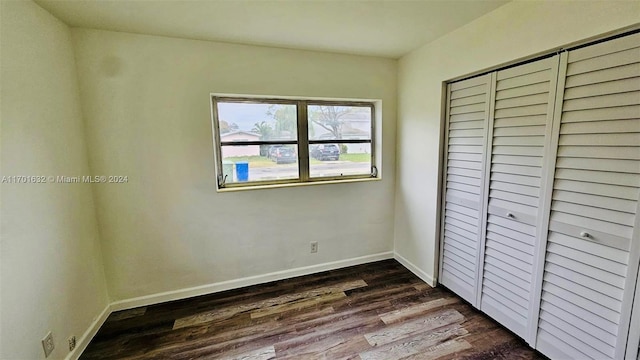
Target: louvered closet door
467 110
633 347
523 108
592 248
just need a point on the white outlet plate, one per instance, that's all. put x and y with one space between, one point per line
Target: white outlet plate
48 345
314 246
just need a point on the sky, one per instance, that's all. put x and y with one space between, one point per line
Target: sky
245 115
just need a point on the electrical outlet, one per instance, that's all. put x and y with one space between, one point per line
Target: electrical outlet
48 344
314 246
72 343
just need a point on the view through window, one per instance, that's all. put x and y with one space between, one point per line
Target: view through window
259 141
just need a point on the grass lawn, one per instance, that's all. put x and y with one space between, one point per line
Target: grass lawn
362 157
255 161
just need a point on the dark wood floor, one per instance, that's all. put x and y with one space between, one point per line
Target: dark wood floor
373 311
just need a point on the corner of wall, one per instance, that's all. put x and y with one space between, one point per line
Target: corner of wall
89 165
51 228
429 279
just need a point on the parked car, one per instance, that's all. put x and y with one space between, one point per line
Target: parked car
282 154
324 152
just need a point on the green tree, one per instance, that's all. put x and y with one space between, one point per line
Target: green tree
225 127
266 132
331 118
264 129
285 117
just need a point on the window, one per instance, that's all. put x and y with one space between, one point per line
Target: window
279 141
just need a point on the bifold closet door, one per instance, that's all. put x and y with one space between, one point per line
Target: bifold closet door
467 113
633 343
523 112
592 250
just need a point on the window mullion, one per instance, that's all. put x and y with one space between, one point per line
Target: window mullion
303 141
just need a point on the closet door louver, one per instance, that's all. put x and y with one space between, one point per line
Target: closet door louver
467 109
523 107
592 244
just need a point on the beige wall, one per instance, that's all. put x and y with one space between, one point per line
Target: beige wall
148 117
51 268
513 31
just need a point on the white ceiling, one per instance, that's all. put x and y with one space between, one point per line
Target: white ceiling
388 28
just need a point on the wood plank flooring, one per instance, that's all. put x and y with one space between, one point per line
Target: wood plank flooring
376 311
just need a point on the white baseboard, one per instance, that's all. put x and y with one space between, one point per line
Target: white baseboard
242 282
414 269
83 342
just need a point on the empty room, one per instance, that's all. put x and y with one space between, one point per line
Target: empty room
320 179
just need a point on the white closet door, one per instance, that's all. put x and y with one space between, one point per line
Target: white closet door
467 114
523 111
633 347
592 245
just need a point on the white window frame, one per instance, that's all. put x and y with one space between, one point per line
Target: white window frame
302 143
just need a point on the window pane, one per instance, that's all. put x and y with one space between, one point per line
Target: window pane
257 121
242 163
333 160
339 122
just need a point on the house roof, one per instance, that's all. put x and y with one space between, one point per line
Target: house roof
240 132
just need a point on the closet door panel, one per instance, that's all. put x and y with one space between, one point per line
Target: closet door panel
593 229
523 109
633 342
467 118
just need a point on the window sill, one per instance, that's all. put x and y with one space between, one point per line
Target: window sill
296 184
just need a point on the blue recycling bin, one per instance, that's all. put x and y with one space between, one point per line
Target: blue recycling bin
242 171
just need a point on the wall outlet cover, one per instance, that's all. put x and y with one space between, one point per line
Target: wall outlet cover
48 345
